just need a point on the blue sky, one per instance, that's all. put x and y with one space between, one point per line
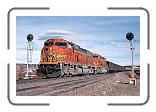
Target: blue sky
104 35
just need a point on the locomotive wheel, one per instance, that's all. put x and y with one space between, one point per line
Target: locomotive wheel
70 75
66 70
48 70
62 75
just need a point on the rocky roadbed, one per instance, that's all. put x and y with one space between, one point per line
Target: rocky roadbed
95 85
117 85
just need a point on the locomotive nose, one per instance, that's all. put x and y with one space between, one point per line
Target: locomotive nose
50 54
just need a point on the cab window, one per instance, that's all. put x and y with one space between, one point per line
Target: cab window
95 57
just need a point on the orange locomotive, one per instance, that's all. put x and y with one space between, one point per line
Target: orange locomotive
62 58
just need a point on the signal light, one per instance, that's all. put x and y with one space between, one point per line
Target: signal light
129 36
30 37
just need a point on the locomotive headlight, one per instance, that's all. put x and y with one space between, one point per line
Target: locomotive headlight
50 53
50 49
41 59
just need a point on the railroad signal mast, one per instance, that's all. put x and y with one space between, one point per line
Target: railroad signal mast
30 46
130 36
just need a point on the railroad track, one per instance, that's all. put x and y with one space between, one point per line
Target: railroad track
57 88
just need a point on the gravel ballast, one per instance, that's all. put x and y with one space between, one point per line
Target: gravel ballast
114 85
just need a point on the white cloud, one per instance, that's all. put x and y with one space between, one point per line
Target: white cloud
54 33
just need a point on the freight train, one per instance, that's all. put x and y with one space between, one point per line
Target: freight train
60 57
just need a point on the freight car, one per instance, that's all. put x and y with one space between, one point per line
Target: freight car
112 67
60 57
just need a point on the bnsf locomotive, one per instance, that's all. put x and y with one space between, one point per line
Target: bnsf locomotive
63 58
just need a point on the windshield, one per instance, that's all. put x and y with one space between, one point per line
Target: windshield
61 44
48 43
